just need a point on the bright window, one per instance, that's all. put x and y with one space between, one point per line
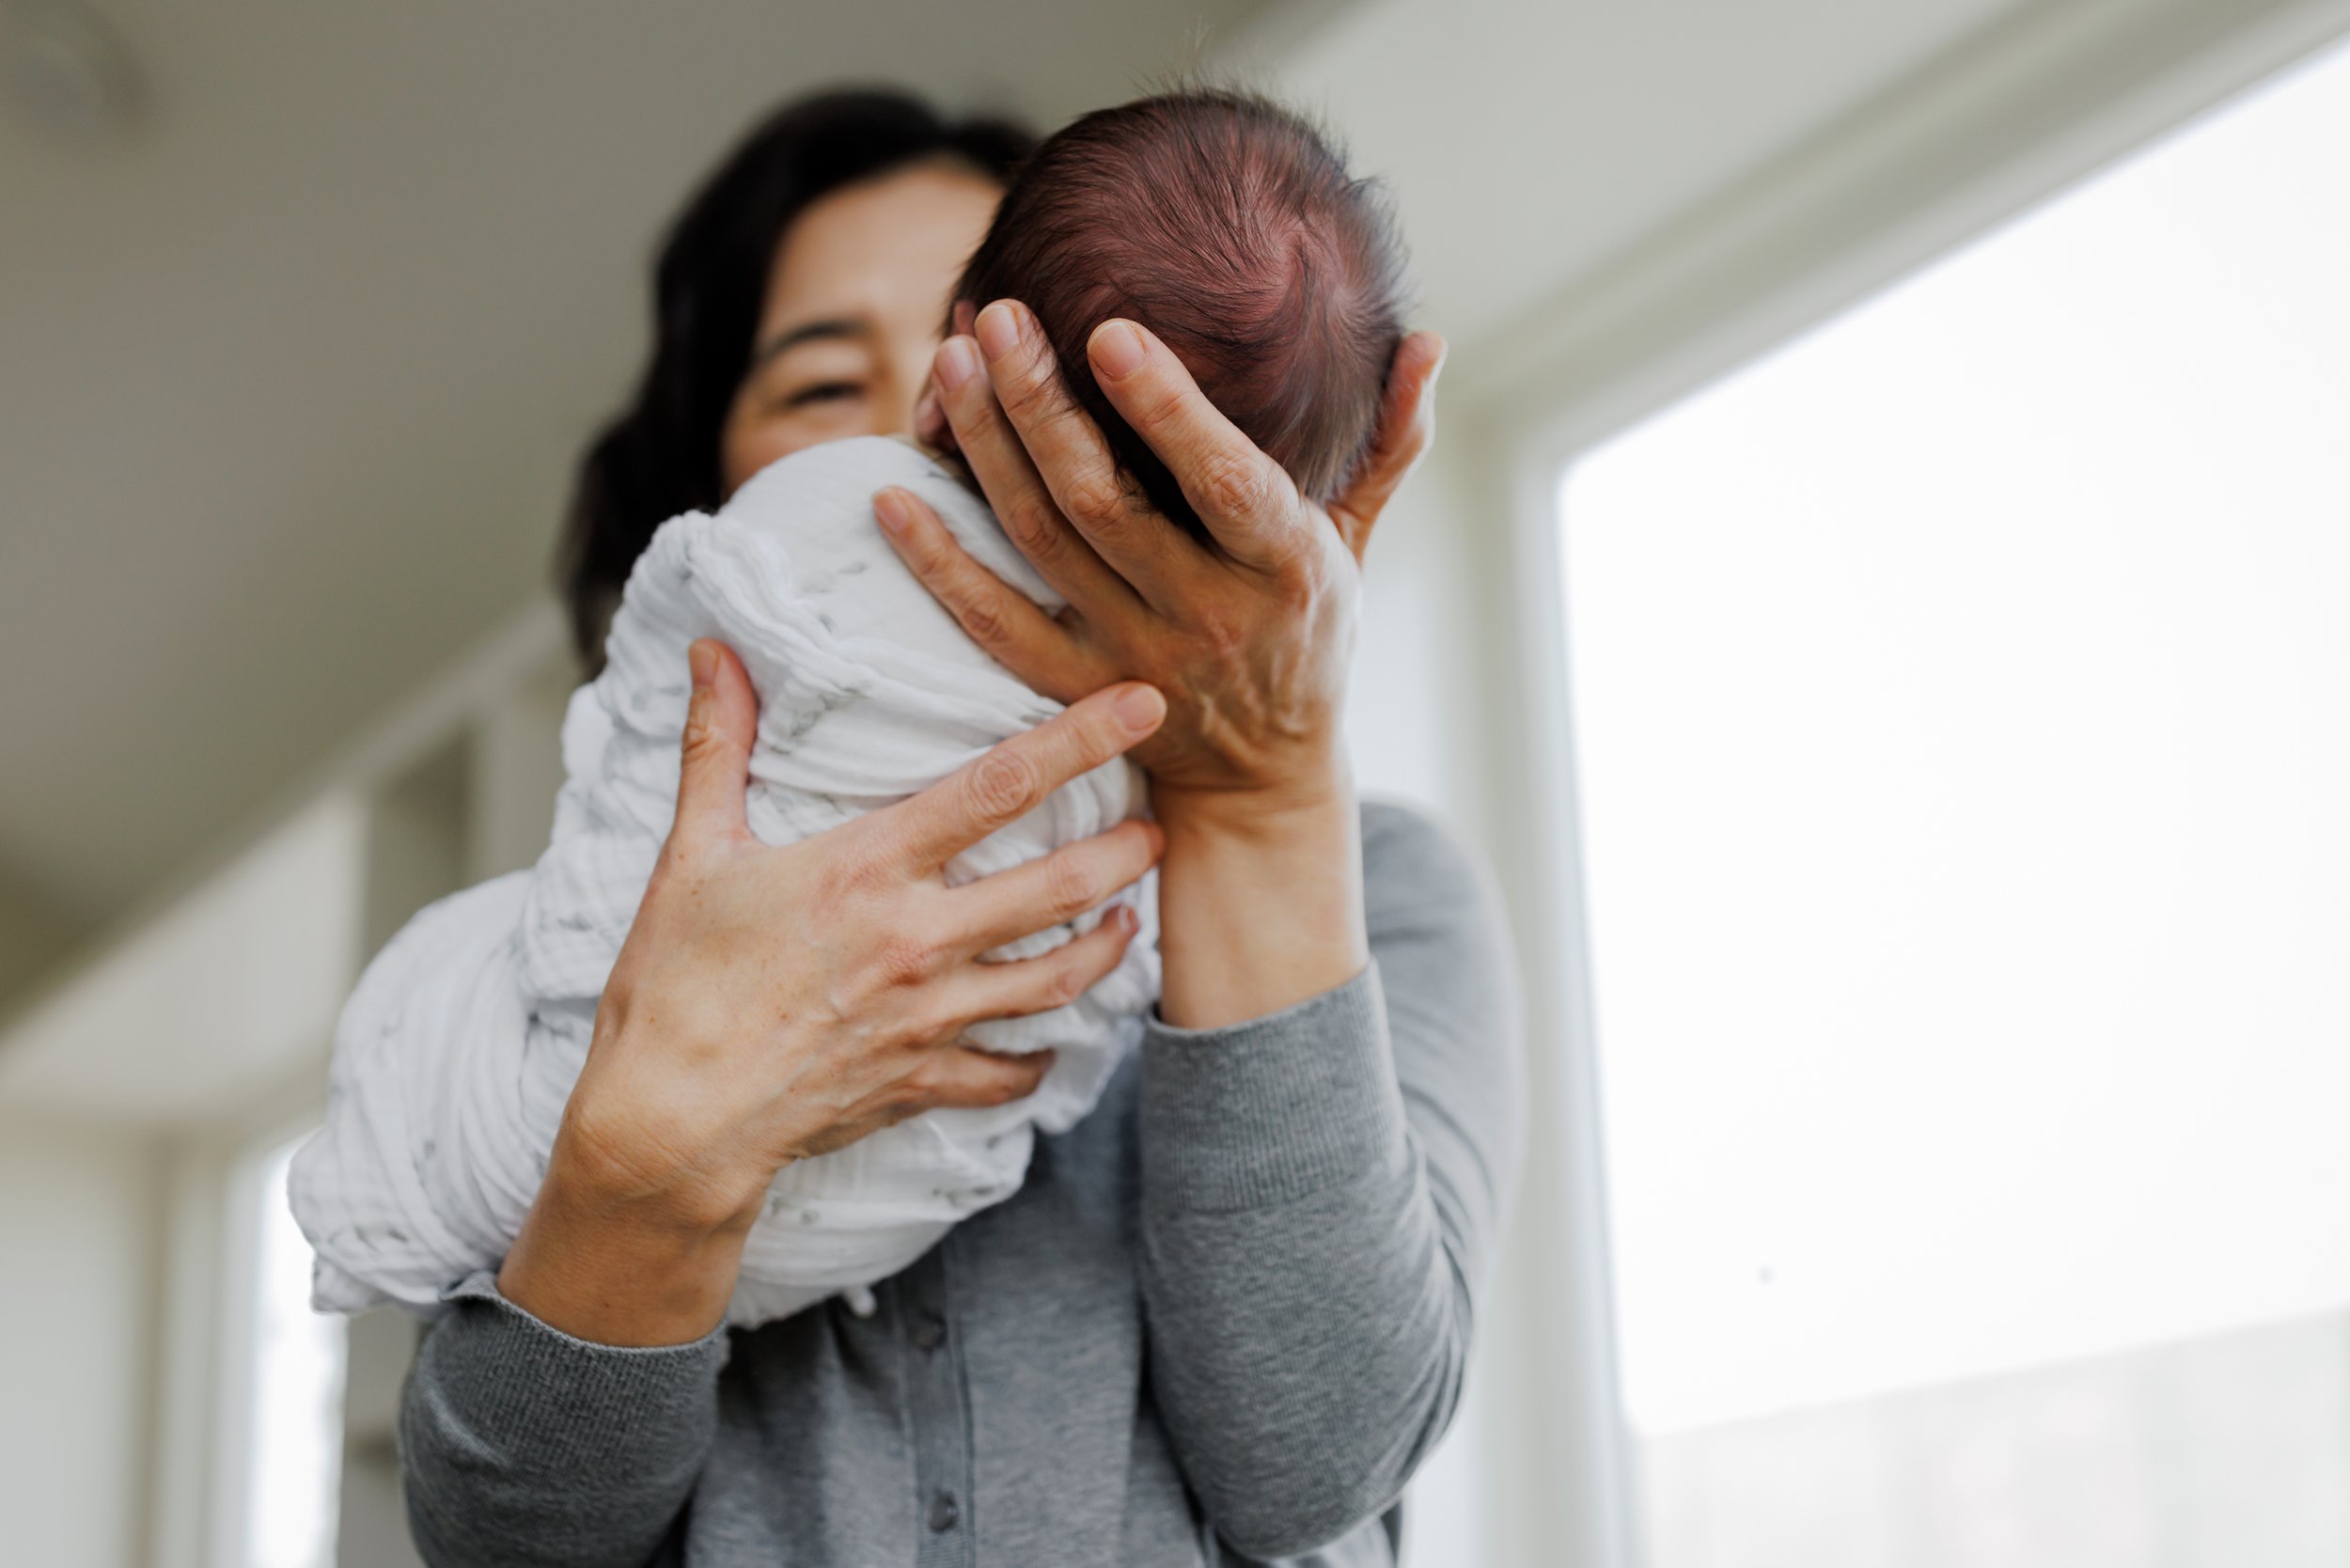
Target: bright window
293 1466
1962 699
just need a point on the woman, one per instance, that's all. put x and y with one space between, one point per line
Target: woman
1228 1313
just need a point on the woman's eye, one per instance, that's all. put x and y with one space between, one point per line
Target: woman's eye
824 392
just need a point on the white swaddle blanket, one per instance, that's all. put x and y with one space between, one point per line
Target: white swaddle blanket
457 1050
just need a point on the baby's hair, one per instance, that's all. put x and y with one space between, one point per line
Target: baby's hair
1229 227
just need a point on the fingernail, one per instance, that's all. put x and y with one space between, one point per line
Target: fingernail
702 658
1140 708
958 362
1128 921
1118 349
889 511
998 328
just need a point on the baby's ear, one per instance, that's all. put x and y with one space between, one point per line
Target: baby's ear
967 316
930 429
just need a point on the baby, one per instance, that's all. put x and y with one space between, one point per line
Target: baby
1220 221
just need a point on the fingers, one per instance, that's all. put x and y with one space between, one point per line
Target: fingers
1247 499
1004 621
720 725
1019 496
1012 781
1032 985
969 1076
1066 450
1058 888
1407 426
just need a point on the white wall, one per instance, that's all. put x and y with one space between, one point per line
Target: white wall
213 1000
133 1095
79 1233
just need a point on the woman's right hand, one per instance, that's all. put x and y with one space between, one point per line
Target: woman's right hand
775 1002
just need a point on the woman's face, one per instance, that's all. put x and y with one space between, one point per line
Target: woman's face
853 307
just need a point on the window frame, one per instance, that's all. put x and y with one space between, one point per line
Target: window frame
203 1341
2036 107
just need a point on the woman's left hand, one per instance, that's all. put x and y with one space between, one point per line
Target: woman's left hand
1249 636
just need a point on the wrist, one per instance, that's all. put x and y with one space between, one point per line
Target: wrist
1319 790
620 1271
592 1173
1261 899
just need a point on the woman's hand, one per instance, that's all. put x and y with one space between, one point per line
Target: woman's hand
775 1002
1248 634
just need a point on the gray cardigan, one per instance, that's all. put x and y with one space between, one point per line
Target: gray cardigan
1223 1321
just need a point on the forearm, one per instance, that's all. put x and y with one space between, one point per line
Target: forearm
1309 1333
1320 1189
1260 897
521 1445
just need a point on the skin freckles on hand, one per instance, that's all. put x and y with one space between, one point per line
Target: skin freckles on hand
715 1064
1249 634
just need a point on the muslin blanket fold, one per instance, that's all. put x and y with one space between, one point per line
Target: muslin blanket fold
455 1056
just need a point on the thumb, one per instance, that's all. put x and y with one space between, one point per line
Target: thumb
715 768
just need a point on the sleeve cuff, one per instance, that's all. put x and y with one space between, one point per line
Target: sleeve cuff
573 1396
1273 1110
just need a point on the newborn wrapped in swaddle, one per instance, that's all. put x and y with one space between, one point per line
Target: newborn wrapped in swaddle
456 1054
1231 229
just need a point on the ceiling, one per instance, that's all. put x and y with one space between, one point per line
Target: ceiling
292 373
1532 141
292 370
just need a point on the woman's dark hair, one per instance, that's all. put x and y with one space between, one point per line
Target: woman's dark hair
660 456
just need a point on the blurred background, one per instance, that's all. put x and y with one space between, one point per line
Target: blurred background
1876 599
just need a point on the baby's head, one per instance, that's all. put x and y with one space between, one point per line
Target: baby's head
1227 226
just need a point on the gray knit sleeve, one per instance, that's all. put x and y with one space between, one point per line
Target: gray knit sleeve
1321 1191
521 1445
